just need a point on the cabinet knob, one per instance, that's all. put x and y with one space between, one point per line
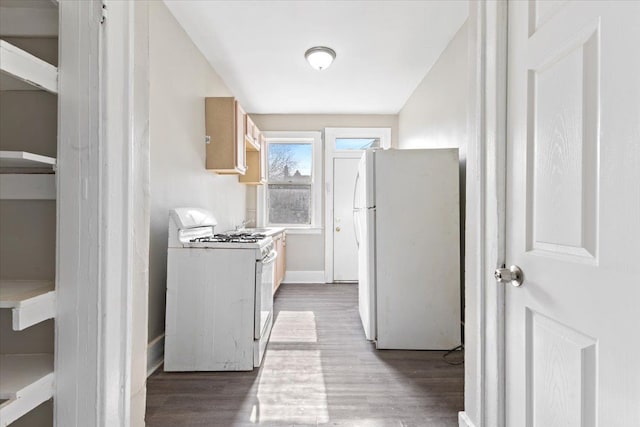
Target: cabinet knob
338 229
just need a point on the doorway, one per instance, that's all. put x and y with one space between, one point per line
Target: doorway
343 149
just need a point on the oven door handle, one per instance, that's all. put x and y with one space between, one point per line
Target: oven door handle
270 258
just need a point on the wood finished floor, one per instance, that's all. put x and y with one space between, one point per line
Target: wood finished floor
318 370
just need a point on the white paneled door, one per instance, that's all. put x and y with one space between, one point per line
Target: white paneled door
573 214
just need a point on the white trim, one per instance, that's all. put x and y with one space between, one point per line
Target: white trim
484 312
103 212
304 277
330 135
78 254
316 175
155 354
463 420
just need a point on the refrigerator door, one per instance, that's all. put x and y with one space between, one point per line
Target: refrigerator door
366 271
364 220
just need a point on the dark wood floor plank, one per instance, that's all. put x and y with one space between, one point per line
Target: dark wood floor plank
318 370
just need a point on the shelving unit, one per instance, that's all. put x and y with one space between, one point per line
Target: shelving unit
27 68
26 160
27 191
31 301
26 381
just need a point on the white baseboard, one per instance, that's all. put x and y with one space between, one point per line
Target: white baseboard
463 420
155 354
304 277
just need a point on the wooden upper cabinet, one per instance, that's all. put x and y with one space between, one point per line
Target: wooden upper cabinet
251 135
256 164
225 122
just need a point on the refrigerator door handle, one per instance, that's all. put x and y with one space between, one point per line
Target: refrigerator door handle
356 228
355 190
355 217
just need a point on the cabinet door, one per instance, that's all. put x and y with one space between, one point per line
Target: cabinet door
224 124
256 164
241 160
251 134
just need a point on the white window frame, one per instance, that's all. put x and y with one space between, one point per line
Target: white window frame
315 138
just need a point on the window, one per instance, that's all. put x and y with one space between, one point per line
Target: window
292 195
356 143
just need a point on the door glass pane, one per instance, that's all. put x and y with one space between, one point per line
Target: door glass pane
357 143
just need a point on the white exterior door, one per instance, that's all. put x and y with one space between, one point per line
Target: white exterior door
345 251
573 214
343 149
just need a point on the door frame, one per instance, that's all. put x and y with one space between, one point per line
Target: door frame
330 135
485 220
103 214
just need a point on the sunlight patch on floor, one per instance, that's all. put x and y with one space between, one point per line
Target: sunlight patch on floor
291 389
294 327
291 386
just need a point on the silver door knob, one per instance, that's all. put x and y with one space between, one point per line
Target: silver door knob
513 275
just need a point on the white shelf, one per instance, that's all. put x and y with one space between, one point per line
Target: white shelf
27 187
26 381
28 68
31 301
25 160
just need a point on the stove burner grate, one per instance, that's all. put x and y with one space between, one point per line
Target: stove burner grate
231 238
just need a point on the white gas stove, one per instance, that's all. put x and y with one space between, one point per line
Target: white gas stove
194 228
219 295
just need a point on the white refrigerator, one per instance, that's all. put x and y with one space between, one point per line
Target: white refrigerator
406 214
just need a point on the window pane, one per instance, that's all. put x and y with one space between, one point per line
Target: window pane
357 143
290 163
289 204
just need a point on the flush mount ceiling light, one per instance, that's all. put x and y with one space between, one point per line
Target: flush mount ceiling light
320 57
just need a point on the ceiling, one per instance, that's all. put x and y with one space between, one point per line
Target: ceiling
384 49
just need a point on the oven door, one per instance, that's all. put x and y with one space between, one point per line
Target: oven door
265 275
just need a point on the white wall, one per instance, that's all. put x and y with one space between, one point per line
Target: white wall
305 252
180 79
436 116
